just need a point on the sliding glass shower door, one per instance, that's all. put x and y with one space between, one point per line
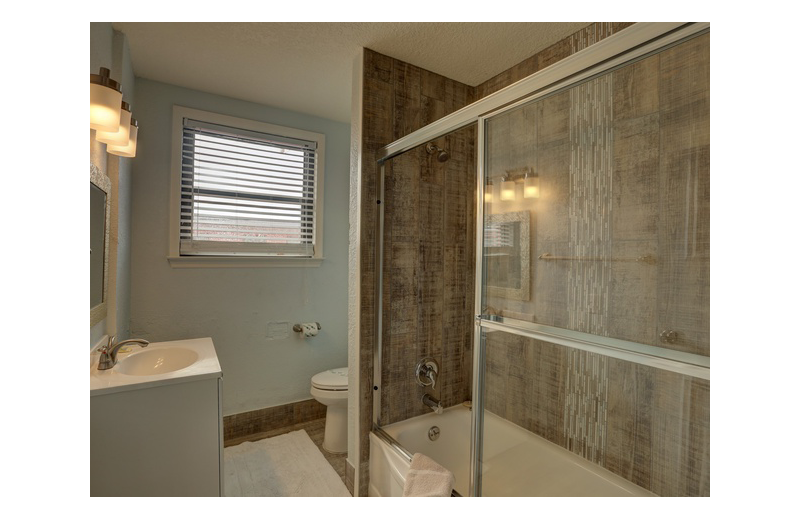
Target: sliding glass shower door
593 327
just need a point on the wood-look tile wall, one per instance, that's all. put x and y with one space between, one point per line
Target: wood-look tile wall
257 421
428 275
427 255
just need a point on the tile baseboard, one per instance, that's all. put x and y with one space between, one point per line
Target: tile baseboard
265 419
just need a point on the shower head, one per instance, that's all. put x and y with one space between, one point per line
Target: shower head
441 154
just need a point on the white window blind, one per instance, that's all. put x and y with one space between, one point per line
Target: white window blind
246 193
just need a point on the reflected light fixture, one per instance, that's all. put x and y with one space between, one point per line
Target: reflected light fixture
508 189
129 150
105 100
487 191
120 137
531 185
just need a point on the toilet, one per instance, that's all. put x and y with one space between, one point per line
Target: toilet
330 389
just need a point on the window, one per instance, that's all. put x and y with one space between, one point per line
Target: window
246 189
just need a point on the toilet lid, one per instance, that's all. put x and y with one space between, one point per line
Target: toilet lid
335 379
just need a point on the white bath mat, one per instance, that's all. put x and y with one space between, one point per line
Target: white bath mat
288 465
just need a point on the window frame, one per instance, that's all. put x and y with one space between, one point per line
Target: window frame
239 260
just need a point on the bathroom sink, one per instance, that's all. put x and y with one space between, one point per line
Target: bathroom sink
157 361
160 363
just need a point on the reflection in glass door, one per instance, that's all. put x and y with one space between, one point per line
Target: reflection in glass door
595 297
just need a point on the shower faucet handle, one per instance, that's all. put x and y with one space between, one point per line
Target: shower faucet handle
427 369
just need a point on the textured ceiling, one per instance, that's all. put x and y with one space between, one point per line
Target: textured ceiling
307 67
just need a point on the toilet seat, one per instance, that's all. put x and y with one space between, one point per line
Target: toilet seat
331 380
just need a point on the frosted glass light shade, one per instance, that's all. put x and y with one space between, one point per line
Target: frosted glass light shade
105 100
120 137
129 150
531 190
508 190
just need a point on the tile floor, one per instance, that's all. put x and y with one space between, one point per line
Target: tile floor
315 429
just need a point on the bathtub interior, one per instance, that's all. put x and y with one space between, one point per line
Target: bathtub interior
516 462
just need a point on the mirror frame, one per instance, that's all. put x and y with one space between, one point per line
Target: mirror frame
99 179
523 293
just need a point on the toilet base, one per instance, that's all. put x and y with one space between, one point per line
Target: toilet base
335 440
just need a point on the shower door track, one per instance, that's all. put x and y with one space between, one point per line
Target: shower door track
629 44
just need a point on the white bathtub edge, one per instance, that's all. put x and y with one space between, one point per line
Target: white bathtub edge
387 469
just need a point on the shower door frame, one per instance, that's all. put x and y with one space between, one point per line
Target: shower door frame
635 42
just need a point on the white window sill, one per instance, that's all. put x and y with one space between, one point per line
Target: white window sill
241 261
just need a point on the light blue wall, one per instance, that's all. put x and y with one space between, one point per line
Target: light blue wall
233 306
109 48
101 38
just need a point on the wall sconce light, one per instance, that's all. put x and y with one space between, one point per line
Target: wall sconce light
508 184
110 117
508 188
129 150
105 102
531 185
121 136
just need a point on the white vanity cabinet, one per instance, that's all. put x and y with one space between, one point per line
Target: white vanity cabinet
158 434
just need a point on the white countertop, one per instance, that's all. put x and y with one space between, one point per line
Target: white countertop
112 381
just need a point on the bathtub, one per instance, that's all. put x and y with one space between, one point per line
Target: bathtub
516 462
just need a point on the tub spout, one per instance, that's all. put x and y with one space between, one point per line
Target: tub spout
433 403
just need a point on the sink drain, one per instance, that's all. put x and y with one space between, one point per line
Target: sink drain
433 433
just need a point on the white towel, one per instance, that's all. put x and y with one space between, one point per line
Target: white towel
426 478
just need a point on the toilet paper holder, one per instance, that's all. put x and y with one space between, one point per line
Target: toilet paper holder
299 328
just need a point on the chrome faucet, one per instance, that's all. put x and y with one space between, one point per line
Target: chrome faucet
427 369
108 354
433 403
